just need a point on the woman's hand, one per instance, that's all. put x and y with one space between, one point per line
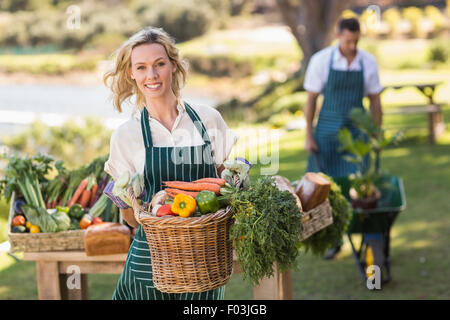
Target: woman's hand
128 216
310 144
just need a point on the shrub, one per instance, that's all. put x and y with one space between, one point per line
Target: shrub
438 52
392 16
292 103
182 20
74 143
219 66
414 15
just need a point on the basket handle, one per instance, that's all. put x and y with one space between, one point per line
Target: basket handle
134 205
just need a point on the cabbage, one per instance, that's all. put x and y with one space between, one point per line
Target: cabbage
62 220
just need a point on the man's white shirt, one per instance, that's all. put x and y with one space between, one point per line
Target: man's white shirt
318 69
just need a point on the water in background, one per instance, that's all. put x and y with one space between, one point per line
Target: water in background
21 104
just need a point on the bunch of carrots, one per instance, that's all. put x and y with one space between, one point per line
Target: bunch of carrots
85 193
193 188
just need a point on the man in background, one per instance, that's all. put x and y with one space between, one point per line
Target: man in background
344 75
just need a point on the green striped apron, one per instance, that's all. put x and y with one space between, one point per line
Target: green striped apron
164 164
343 91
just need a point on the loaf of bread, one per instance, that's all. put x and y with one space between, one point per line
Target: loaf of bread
283 184
106 238
313 190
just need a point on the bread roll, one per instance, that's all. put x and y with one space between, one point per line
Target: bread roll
106 238
313 190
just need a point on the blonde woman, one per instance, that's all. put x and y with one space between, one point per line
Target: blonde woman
166 140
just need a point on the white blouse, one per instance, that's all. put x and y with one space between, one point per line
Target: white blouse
127 150
317 72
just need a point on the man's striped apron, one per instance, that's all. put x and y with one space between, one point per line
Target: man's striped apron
343 92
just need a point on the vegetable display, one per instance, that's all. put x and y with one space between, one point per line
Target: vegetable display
50 197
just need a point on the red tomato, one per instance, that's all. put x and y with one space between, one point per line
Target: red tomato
165 210
97 220
18 220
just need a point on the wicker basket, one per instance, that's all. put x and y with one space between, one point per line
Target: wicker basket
188 254
316 219
41 242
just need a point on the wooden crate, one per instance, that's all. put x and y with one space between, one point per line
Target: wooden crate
42 242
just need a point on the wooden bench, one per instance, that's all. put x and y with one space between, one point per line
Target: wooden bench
54 269
436 125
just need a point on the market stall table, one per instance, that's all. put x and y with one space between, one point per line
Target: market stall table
55 269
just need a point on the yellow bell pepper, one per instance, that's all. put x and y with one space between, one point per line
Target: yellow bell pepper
183 205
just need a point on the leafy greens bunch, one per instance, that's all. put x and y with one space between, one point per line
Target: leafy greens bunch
267 229
26 175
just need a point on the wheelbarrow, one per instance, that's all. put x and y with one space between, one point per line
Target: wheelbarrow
375 225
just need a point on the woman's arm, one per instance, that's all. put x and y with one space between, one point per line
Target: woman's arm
220 169
128 216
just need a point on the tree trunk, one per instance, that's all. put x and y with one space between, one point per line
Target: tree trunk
312 23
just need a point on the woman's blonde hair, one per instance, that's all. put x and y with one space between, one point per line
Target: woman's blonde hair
119 80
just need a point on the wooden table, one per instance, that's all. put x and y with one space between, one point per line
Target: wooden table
436 125
55 270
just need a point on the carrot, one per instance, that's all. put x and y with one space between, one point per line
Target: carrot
78 192
220 182
191 186
93 193
85 197
173 192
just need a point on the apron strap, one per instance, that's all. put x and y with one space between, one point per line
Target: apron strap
198 123
145 125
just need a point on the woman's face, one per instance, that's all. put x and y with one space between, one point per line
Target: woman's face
152 70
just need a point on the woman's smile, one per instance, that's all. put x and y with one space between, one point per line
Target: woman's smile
153 86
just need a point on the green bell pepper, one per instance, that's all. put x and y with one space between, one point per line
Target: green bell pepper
207 202
76 211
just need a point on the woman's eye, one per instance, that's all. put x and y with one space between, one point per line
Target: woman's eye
161 64
141 68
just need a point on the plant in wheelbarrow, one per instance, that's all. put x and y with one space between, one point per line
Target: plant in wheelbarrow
364 151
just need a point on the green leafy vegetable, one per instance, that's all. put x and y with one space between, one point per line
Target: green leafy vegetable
25 175
62 220
267 229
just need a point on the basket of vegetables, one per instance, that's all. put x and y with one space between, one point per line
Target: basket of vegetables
187 226
50 213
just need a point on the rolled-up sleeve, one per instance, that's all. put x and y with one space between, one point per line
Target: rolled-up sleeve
314 81
222 138
372 83
119 157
